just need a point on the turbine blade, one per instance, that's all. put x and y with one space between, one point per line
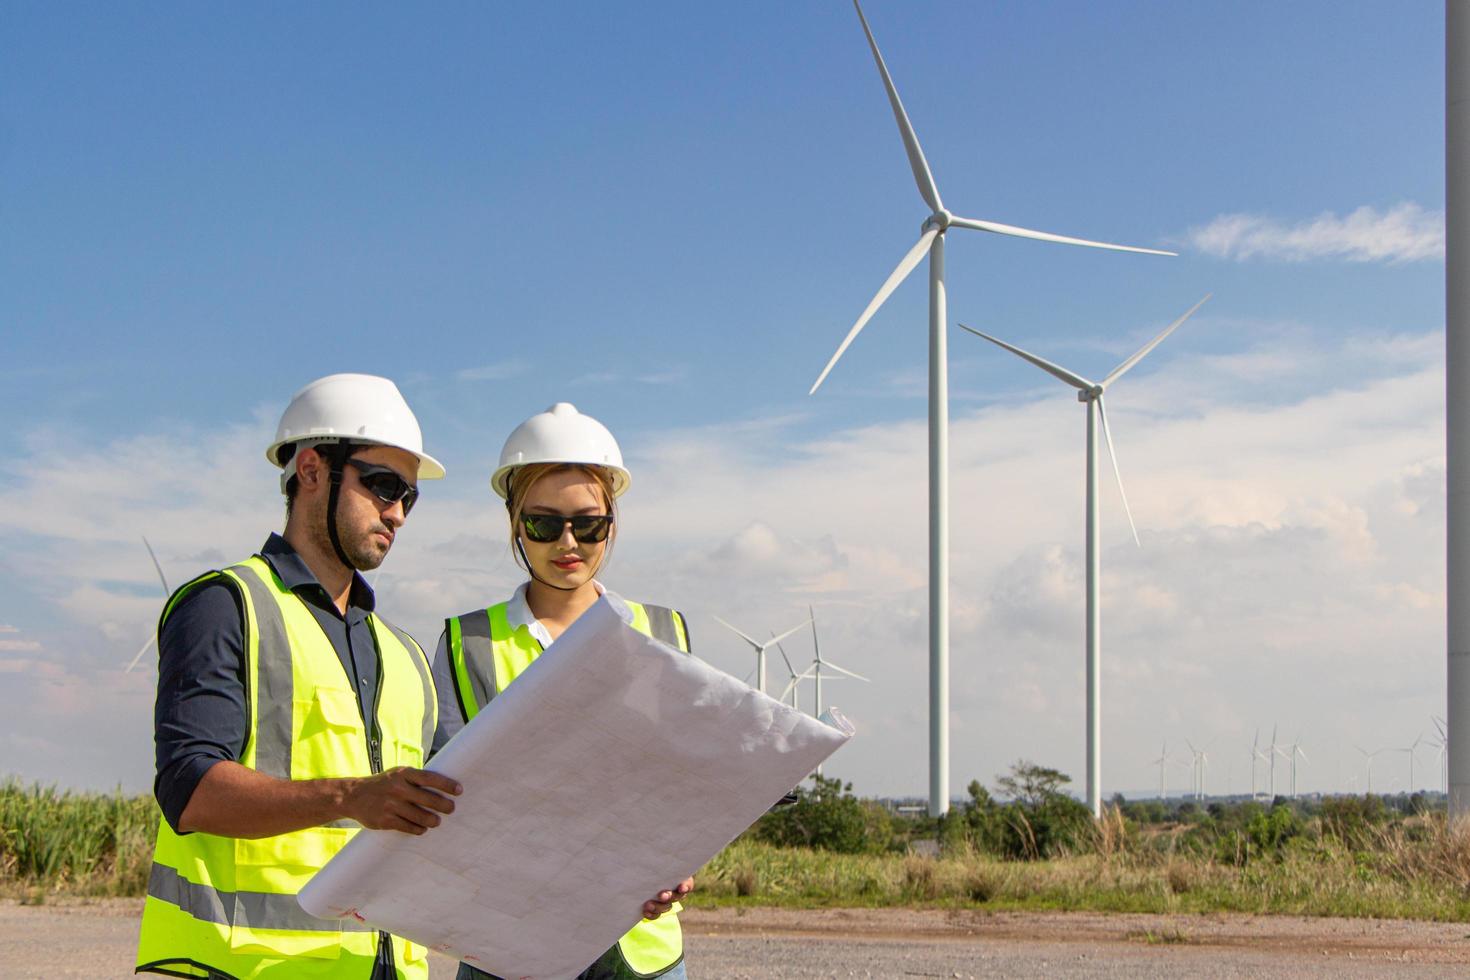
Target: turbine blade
158 568
1046 236
139 655
816 645
1139 355
927 188
789 669
1055 370
905 266
732 629
843 670
1113 456
777 639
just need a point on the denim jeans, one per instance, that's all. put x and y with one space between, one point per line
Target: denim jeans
609 966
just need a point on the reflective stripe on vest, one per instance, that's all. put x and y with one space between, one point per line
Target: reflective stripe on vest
486 654
228 904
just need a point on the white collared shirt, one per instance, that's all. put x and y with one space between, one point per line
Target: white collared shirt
518 612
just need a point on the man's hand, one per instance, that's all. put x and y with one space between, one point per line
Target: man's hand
403 799
663 901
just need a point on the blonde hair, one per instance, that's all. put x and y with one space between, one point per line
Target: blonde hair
523 478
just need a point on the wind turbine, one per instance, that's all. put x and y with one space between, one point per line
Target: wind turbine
819 665
1201 763
1296 752
1272 752
153 636
1442 743
760 650
1368 761
1091 393
931 240
1161 762
1410 750
1256 756
793 686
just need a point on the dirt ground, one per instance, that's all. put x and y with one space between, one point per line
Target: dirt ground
96 939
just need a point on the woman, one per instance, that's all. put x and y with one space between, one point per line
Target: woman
560 474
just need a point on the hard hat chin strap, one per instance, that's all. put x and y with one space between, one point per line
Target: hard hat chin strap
530 569
338 461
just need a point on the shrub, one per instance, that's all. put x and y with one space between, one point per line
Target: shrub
828 817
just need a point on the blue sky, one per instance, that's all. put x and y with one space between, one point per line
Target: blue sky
670 214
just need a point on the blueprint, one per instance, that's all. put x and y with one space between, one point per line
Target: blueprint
613 768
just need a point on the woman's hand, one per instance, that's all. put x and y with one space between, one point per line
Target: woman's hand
663 901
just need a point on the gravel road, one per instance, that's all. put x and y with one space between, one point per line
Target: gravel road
96 940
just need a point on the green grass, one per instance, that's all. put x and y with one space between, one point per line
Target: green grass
90 844
55 842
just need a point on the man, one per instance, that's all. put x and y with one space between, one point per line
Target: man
290 714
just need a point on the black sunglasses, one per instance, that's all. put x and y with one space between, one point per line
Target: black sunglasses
586 528
385 484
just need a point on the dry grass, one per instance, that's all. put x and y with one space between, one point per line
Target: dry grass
1419 870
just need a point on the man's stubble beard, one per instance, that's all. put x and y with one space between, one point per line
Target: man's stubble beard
360 549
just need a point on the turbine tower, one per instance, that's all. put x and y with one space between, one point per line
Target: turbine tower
1090 393
760 650
152 637
931 241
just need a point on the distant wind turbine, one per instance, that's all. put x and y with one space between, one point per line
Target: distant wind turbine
1256 756
818 666
931 240
1297 752
1162 761
1441 742
1368 763
760 650
1091 393
153 636
1410 750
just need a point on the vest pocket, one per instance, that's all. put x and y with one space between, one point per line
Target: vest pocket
265 917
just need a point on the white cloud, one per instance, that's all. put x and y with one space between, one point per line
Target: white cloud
1405 232
1284 541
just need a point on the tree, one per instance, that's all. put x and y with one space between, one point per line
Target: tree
1032 785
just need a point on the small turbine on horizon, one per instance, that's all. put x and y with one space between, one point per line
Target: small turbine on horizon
1162 761
152 637
1090 393
1368 758
931 241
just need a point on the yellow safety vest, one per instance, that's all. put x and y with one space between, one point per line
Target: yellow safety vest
486 654
229 905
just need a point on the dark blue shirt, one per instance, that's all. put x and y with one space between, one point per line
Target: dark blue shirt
201 716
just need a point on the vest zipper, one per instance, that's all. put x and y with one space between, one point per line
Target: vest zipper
375 762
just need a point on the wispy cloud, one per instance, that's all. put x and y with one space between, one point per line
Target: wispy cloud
1404 233
499 371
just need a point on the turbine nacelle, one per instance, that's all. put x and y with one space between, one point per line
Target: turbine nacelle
939 221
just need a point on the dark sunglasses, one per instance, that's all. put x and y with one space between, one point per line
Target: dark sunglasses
586 528
385 484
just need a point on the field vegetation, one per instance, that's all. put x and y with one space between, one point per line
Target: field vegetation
1029 845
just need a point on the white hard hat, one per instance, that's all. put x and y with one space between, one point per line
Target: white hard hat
561 434
357 408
